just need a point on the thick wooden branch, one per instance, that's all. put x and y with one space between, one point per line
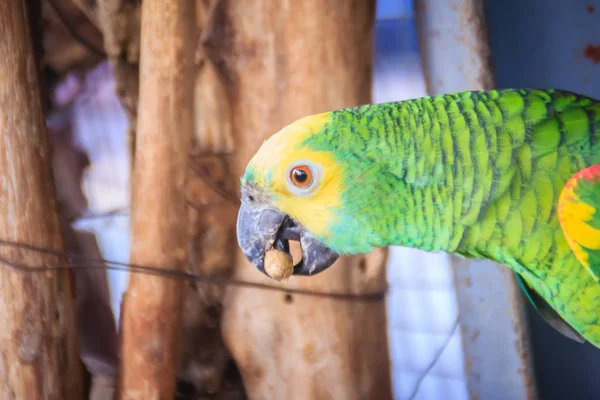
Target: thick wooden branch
279 62
151 318
39 355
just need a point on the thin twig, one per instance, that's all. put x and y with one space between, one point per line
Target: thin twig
65 21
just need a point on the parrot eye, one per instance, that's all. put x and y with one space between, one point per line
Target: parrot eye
300 176
303 177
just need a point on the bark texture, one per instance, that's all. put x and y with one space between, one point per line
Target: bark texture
151 318
276 62
39 352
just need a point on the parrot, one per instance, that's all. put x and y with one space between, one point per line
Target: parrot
507 175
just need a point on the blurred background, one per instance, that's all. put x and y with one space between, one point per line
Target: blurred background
455 330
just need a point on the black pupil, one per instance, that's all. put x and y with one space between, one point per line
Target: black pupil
300 175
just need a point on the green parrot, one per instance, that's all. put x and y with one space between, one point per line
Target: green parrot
511 176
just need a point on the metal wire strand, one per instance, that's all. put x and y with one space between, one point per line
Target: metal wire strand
80 262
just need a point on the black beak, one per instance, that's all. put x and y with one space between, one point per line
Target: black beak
263 228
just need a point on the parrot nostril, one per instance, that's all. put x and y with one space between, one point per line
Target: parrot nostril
251 198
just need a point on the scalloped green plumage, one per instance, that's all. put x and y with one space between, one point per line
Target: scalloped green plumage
476 174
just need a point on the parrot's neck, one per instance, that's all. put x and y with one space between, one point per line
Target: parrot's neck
405 182
418 173
457 173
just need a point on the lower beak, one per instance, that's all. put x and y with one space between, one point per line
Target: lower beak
263 229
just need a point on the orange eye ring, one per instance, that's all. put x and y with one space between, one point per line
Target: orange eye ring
301 176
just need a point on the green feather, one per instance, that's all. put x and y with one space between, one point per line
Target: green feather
476 174
546 312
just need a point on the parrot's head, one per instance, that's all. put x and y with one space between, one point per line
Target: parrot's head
292 190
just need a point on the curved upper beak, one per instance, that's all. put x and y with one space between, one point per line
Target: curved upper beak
262 228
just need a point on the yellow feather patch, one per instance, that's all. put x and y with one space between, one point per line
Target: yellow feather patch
270 165
573 215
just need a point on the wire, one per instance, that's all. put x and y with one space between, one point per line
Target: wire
436 358
107 214
200 173
79 262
